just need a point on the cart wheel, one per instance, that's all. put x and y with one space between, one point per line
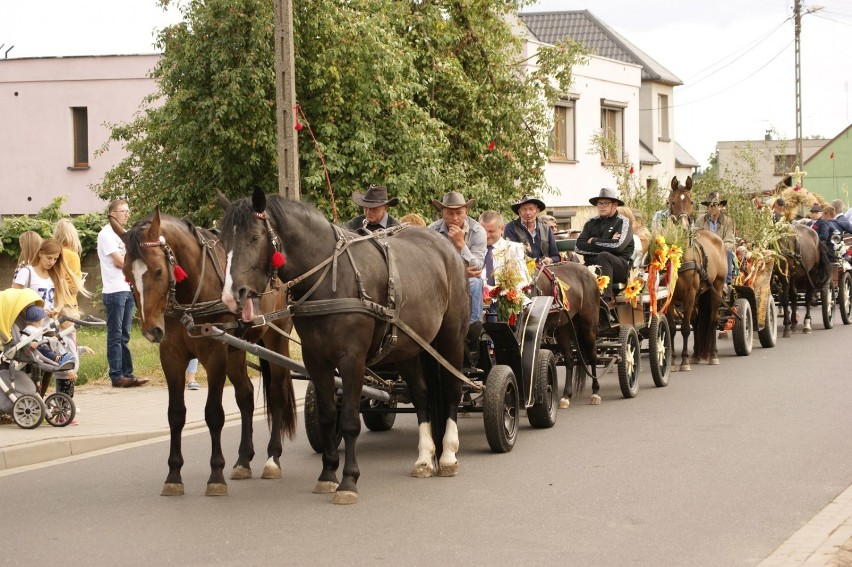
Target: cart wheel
768 335
844 297
60 409
380 420
628 363
743 332
660 350
542 414
500 410
28 411
827 301
312 423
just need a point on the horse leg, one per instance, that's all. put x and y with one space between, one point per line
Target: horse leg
177 418
785 305
244 395
685 329
214 415
570 368
352 373
596 387
448 464
413 373
794 306
323 380
809 297
715 305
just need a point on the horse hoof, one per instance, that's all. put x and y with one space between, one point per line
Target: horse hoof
714 361
423 470
240 473
595 400
325 487
685 368
564 403
695 360
806 331
172 489
786 334
345 497
271 470
448 469
216 489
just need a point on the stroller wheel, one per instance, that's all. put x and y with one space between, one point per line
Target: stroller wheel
60 409
28 411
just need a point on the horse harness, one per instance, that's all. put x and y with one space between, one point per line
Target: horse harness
364 304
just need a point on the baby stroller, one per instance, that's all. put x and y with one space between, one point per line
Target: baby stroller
23 369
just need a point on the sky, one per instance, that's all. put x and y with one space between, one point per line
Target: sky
735 57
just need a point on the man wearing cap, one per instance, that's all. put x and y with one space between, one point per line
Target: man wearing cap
779 210
375 204
535 236
607 240
822 228
716 221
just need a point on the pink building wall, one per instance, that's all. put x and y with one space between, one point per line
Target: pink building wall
36 125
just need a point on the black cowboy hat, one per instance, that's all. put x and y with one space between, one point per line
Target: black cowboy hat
816 208
714 197
528 199
376 196
610 194
452 200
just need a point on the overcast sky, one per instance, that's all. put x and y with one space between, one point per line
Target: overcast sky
735 57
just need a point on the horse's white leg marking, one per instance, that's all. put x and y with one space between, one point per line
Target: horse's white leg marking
449 465
271 469
423 468
139 269
227 291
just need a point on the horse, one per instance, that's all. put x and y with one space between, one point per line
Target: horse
700 281
575 329
806 266
337 281
175 272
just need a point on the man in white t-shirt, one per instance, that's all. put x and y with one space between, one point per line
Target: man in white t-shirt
117 299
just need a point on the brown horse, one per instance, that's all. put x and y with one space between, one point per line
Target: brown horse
700 281
575 330
157 248
806 266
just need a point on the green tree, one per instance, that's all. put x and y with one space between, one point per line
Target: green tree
424 97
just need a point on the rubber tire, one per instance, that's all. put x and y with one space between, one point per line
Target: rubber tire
844 297
629 363
660 347
28 411
827 307
312 423
60 409
378 421
743 331
542 415
768 335
500 409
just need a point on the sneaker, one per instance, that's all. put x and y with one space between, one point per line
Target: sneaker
193 385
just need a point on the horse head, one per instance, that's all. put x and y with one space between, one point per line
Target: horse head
681 206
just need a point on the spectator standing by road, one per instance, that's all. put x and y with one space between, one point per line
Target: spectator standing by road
67 236
117 299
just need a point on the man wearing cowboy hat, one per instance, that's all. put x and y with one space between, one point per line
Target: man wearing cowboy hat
536 237
607 240
716 221
375 203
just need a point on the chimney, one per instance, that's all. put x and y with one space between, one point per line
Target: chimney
768 136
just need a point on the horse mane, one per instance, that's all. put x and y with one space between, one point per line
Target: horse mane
138 232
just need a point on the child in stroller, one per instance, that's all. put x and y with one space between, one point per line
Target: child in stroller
48 346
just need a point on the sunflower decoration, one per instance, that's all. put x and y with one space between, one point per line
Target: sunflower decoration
531 267
603 281
635 285
675 256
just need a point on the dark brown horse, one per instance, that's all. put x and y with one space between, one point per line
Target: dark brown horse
574 331
157 247
805 266
700 280
356 300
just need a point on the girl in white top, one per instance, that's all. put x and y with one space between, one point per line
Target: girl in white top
48 276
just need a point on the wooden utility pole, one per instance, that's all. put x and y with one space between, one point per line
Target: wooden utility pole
285 98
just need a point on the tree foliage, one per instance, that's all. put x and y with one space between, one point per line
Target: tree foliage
422 96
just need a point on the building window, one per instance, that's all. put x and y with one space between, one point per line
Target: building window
612 128
562 143
663 110
80 115
784 164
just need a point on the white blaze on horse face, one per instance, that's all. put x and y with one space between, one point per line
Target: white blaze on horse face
139 269
227 291
682 197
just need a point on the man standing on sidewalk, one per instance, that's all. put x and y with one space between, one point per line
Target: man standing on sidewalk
117 299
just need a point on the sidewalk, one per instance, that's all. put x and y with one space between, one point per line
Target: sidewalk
114 416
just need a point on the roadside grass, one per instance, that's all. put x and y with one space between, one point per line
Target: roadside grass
94 369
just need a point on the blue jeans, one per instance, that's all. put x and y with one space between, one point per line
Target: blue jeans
475 286
119 308
730 277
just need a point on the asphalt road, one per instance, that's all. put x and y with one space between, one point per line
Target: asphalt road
719 468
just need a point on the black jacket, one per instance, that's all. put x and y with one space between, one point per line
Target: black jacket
358 222
601 230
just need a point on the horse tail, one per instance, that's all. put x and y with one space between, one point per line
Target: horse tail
704 331
436 398
283 391
824 265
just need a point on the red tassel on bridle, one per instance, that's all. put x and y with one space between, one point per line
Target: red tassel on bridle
180 274
278 259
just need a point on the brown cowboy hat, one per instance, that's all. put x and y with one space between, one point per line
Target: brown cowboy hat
452 200
610 194
714 197
376 196
528 199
